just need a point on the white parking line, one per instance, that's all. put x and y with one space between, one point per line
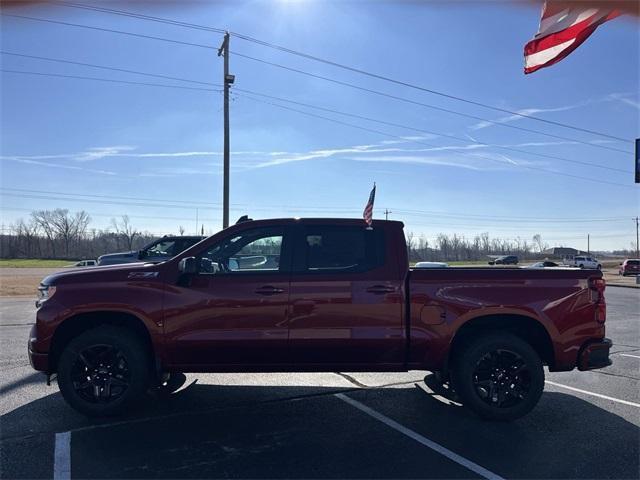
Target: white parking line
627 355
62 456
586 392
474 467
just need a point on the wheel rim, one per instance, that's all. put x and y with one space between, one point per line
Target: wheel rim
502 378
100 374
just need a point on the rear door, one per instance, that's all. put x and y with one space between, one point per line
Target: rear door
346 299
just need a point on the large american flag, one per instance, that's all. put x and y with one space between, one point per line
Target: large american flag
368 209
563 29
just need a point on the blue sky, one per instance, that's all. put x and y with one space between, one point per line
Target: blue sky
113 141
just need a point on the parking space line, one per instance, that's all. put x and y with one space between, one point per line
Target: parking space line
460 460
599 395
62 456
627 355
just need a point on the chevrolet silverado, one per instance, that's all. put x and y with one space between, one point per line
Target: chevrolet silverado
301 295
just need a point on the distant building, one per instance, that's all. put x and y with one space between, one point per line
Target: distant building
564 253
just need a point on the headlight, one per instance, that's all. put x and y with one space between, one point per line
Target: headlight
45 292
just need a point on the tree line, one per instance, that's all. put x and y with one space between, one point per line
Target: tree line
62 234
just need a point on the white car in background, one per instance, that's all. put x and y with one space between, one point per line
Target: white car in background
585 262
431 265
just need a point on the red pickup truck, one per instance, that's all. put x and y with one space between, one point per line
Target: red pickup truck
315 295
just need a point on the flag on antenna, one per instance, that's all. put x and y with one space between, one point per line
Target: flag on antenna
562 30
368 209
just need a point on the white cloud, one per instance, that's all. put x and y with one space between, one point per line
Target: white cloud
622 97
58 166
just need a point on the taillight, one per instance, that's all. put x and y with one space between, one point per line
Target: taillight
597 285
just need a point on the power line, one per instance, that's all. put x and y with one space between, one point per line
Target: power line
103 67
411 212
426 105
136 72
460 152
430 132
108 80
338 82
119 215
108 30
342 66
139 16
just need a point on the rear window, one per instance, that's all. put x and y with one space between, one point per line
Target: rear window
341 249
633 262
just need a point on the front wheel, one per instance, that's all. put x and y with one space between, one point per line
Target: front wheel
104 371
498 376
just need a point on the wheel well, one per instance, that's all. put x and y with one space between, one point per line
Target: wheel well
74 326
528 329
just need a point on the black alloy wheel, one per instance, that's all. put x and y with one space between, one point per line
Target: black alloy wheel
502 378
100 373
105 371
497 375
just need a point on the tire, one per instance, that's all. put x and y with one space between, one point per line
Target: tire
104 371
480 364
581 266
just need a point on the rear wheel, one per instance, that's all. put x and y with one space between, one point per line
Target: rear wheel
104 371
498 376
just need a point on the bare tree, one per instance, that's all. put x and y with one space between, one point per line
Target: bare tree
125 230
410 243
69 228
181 230
537 240
43 219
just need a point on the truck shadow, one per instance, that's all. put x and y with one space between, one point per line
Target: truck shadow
204 430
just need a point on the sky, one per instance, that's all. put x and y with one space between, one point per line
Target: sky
155 153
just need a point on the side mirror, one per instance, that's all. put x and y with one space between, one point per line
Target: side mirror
141 254
188 265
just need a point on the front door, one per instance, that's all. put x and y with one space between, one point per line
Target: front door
233 312
346 300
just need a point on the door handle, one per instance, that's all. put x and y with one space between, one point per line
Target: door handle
381 289
268 290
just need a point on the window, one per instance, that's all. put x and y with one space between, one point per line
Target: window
349 249
164 249
255 250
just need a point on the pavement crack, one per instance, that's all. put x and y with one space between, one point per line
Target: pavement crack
352 380
615 375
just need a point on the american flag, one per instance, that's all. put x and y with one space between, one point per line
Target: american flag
368 209
563 29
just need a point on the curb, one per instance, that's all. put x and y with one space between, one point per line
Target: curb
622 285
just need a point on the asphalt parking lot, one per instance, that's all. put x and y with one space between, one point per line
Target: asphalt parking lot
325 425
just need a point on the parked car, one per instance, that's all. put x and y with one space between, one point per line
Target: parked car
581 261
631 266
330 295
157 251
544 264
505 260
84 263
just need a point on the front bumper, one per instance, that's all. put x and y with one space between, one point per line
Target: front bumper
39 361
595 354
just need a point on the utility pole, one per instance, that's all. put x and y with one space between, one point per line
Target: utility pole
386 213
637 238
223 51
588 244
